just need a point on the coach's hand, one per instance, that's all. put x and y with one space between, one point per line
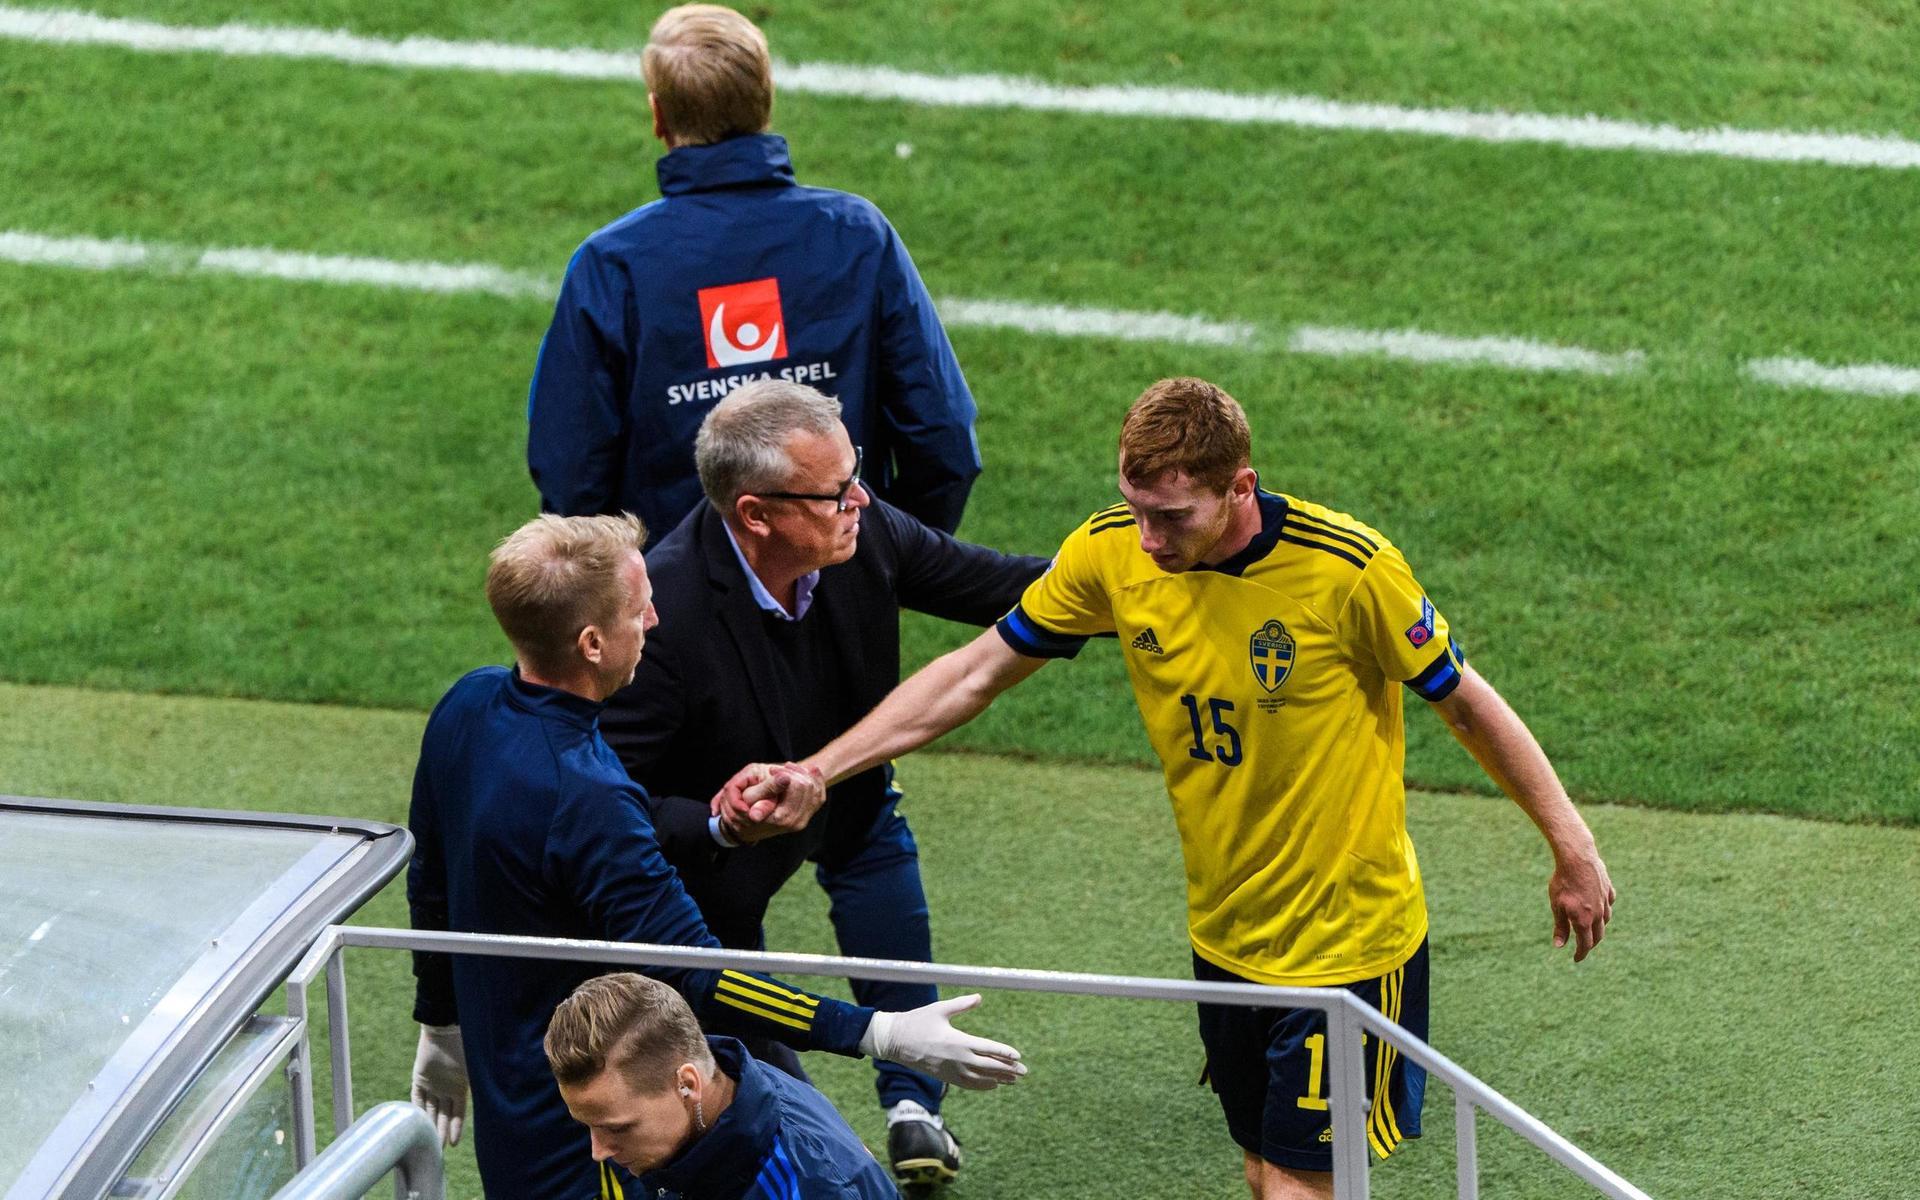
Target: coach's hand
440 1080
925 1040
763 800
1582 899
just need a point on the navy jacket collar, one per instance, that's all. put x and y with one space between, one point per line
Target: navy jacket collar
725 1162
543 701
755 159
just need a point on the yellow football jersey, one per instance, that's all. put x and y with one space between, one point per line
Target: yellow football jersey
1270 688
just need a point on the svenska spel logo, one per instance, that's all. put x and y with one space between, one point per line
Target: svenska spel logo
743 323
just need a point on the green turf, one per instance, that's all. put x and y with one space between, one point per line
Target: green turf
1706 62
1746 1028
1688 582
1697 589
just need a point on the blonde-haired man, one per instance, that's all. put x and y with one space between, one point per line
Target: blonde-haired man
693 1115
738 273
1268 640
525 823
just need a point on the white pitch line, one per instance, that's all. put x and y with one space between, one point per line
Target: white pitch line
376 272
1861 379
37 249
1095 322
88 254
1414 345
1054 320
1888 151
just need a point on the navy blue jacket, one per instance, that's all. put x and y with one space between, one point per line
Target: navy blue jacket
525 823
779 1140
738 273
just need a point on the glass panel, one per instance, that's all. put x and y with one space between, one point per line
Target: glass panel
252 1156
99 918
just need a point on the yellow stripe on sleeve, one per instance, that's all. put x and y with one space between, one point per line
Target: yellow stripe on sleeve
731 988
771 988
765 1014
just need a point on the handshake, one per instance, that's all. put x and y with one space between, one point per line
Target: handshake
764 800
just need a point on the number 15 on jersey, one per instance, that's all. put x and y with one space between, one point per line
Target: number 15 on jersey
1221 742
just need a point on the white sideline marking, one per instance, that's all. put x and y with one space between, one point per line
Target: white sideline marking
1515 354
73 27
89 254
1864 379
95 254
1413 345
378 272
1095 322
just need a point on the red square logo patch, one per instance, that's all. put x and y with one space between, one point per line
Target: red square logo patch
743 323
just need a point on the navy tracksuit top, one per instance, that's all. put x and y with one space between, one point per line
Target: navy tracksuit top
779 1140
738 273
525 823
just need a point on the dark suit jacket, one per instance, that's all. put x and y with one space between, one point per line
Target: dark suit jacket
702 705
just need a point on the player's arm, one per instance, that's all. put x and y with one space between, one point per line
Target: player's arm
943 695
439 1085
601 850
1580 892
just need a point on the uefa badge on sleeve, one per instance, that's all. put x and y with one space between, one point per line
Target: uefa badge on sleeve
1421 631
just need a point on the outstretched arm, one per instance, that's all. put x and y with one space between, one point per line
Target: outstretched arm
943 695
1580 892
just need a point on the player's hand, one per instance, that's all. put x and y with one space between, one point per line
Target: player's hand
440 1080
1582 900
763 801
926 1040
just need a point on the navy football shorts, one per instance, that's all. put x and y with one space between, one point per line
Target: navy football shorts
1269 1067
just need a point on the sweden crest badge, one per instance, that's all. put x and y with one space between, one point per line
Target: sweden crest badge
1270 649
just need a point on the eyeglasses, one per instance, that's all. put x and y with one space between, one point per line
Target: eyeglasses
839 498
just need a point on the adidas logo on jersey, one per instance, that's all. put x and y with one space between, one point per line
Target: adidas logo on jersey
1146 641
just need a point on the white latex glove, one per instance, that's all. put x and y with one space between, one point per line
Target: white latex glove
440 1080
925 1039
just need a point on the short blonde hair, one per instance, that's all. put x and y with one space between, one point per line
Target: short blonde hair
1185 425
628 1023
554 576
710 74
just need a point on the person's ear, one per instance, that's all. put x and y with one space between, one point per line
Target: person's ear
590 644
688 1077
659 126
752 513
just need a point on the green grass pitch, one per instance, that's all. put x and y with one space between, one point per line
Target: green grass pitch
242 522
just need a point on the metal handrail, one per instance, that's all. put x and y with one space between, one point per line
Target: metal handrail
393 1137
1347 1017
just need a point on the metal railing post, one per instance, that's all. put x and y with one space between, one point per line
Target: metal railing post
337 1040
305 1139
392 1137
1347 1075
1466 1147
